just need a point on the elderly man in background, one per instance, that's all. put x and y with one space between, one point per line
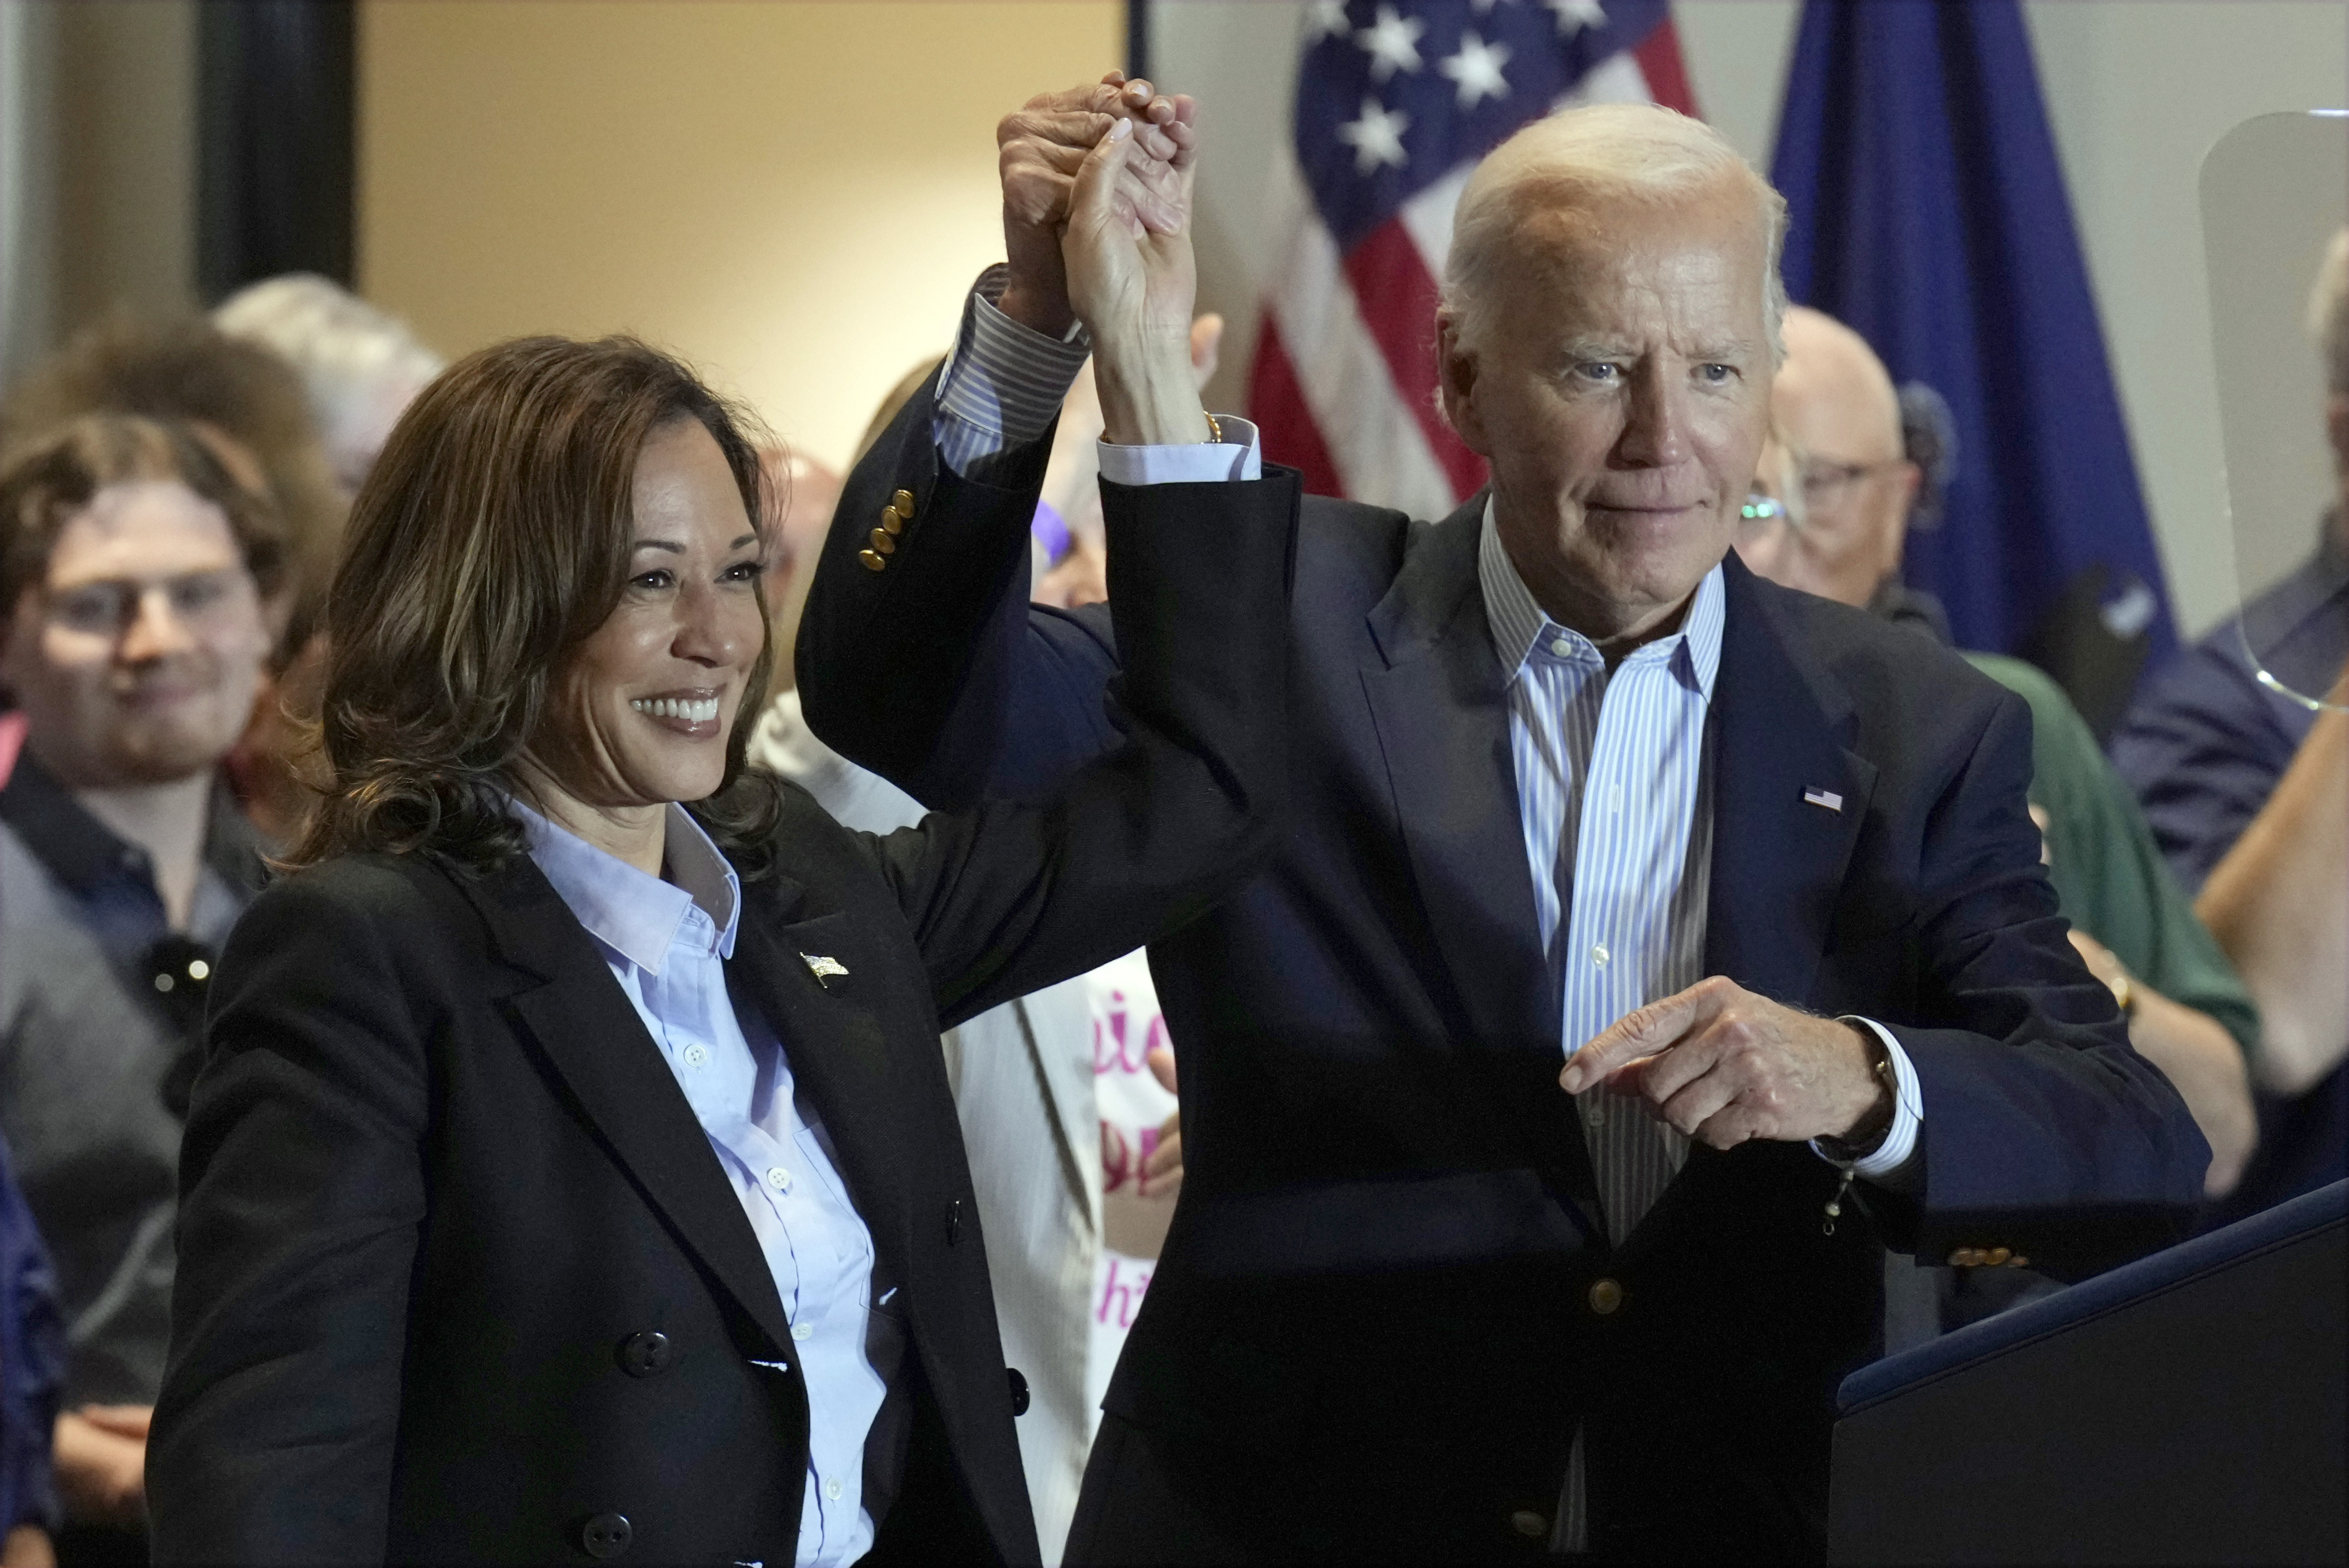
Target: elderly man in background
360 366
1574 788
359 369
2248 791
1846 490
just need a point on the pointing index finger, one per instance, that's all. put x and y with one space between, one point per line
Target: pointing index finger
1641 1032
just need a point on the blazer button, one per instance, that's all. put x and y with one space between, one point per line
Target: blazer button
872 561
644 1353
884 543
892 520
1018 1390
1605 1296
903 502
607 1536
1528 1523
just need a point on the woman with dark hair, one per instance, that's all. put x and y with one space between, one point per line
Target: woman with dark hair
572 1172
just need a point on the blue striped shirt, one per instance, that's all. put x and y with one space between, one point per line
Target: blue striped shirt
1615 797
1616 809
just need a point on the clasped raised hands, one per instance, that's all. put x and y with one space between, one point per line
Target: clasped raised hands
1097 227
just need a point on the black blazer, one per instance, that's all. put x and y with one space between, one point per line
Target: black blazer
461 1277
1371 1331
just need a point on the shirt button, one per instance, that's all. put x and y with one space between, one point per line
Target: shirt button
779 1178
802 1331
1599 954
1594 1111
696 1056
831 1490
1560 646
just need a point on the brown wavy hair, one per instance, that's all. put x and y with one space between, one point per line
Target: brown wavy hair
46 480
189 371
491 540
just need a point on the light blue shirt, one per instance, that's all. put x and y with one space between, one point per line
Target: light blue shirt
666 939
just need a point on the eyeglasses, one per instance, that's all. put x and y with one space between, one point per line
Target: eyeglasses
109 607
1825 484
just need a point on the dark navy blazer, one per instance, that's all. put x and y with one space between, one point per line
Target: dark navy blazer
1370 1333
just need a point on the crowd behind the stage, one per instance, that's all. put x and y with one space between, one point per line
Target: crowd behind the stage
173 496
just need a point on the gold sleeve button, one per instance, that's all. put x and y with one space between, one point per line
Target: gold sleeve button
892 520
903 502
884 543
1605 1296
872 561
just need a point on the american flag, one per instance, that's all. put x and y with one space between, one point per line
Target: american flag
1396 101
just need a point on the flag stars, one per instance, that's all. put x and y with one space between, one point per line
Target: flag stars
1574 16
1393 42
1327 19
1477 69
1376 138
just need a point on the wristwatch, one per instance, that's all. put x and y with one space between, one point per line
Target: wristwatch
1880 1062
2124 990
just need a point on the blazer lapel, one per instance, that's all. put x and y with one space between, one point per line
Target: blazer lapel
1789 796
1441 705
838 1052
589 1031
1046 1017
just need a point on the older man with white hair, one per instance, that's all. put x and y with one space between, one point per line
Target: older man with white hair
1581 800
360 367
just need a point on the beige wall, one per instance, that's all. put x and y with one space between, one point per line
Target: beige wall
98 165
796 196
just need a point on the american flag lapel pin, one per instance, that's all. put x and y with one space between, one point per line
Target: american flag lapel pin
823 968
1815 796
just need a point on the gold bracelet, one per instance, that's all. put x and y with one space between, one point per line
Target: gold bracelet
1215 429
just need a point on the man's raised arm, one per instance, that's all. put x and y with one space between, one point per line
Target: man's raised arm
919 656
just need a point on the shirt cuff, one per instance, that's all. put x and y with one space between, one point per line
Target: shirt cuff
1908 1113
1203 462
1003 383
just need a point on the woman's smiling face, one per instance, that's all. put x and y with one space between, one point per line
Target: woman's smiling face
642 713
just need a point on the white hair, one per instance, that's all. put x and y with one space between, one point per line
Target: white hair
349 353
1592 156
2328 312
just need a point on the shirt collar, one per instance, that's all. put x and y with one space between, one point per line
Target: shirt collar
1519 625
83 854
635 915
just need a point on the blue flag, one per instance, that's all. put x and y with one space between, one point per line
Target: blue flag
1929 215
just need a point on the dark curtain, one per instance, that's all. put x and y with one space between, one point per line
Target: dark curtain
276 144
